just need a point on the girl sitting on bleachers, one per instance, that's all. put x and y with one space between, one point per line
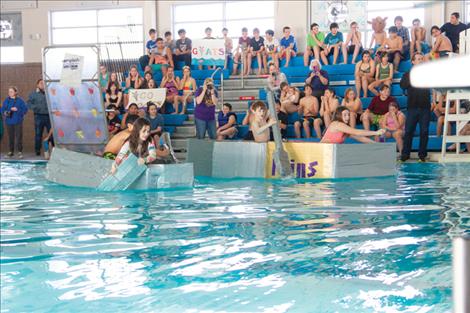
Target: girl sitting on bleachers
171 83
133 81
354 105
364 73
394 124
339 130
188 86
226 122
114 96
328 106
383 74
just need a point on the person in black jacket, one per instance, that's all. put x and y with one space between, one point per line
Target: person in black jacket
38 104
453 30
419 111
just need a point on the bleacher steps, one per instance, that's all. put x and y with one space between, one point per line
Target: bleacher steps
185 131
247 83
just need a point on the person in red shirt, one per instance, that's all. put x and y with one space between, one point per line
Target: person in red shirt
377 108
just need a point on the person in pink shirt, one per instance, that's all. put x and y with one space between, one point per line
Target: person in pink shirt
394 124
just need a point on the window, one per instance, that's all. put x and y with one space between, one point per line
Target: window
467 12
409 10
112 29
234 15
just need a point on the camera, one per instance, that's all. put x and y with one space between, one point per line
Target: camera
273 74
210 86
8 114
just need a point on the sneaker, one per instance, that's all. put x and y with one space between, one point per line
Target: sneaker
38 153
20 155
10 154
404 158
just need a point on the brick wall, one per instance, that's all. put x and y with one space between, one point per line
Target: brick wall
24 77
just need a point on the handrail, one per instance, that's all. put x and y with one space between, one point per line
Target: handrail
221 81
280 156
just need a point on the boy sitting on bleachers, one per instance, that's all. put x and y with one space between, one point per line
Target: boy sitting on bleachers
289 98
271 45
377 108
352 44
315 40
256 50
332 44
283 120
418 36
308 110
288 46
393 46
242 53
226 122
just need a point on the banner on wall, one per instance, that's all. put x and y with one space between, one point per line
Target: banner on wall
142 96
72 68
307 160
11 30
208 52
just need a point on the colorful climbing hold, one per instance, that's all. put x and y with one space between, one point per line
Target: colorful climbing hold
98 133
60 133
53 91
75 112
79 134
94 112
91 91
72 91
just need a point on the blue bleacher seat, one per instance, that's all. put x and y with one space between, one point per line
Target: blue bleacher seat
405 66
174 119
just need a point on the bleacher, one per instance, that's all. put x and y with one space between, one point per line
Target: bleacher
341 77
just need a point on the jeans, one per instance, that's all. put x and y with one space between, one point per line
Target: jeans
41 121
183 57
415 116
15 133
144 61
202 126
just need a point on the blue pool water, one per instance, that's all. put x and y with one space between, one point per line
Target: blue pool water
362 245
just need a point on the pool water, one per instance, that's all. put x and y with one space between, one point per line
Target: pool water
357 245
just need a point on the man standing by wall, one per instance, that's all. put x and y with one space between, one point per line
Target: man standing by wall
419 111
38 104
453 30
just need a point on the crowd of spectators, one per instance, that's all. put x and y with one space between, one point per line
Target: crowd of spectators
317 104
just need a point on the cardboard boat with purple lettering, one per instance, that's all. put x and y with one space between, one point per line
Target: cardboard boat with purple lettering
80 129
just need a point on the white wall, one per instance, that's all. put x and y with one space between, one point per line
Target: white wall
159 14
35 21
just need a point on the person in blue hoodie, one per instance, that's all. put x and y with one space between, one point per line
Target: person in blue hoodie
14 109
38 104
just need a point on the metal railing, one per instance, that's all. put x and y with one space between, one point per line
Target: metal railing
221 81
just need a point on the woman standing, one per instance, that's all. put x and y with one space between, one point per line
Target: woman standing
204 113
14 109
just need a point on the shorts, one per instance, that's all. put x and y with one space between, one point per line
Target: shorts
391 56
376 119
109 156
441 54
311 48
351 49
249 136
292 52
309 119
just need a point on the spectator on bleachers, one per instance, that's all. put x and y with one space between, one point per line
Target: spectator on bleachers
171 83
441 118
117 141
242 53
403 33
379 35
352 44
133 81
318 79
283 121
383 74
464 132
183 48
114 122
364 73
332 43
275 79
114 96
453 29
418 111
169 42
226 123
328 105
151 84
438 108
208 33
256 50
315 40
14 110
147 77
228 46
418 36
271 45
103 78
354 105
288 46
162 57
308 110
188 86
289 99
394 124
339 129
261 122
113 78
204 113
377 108
150 47
132 110
156 122
38 104
393 47
442 45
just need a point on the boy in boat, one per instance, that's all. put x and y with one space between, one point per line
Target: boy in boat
261 122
